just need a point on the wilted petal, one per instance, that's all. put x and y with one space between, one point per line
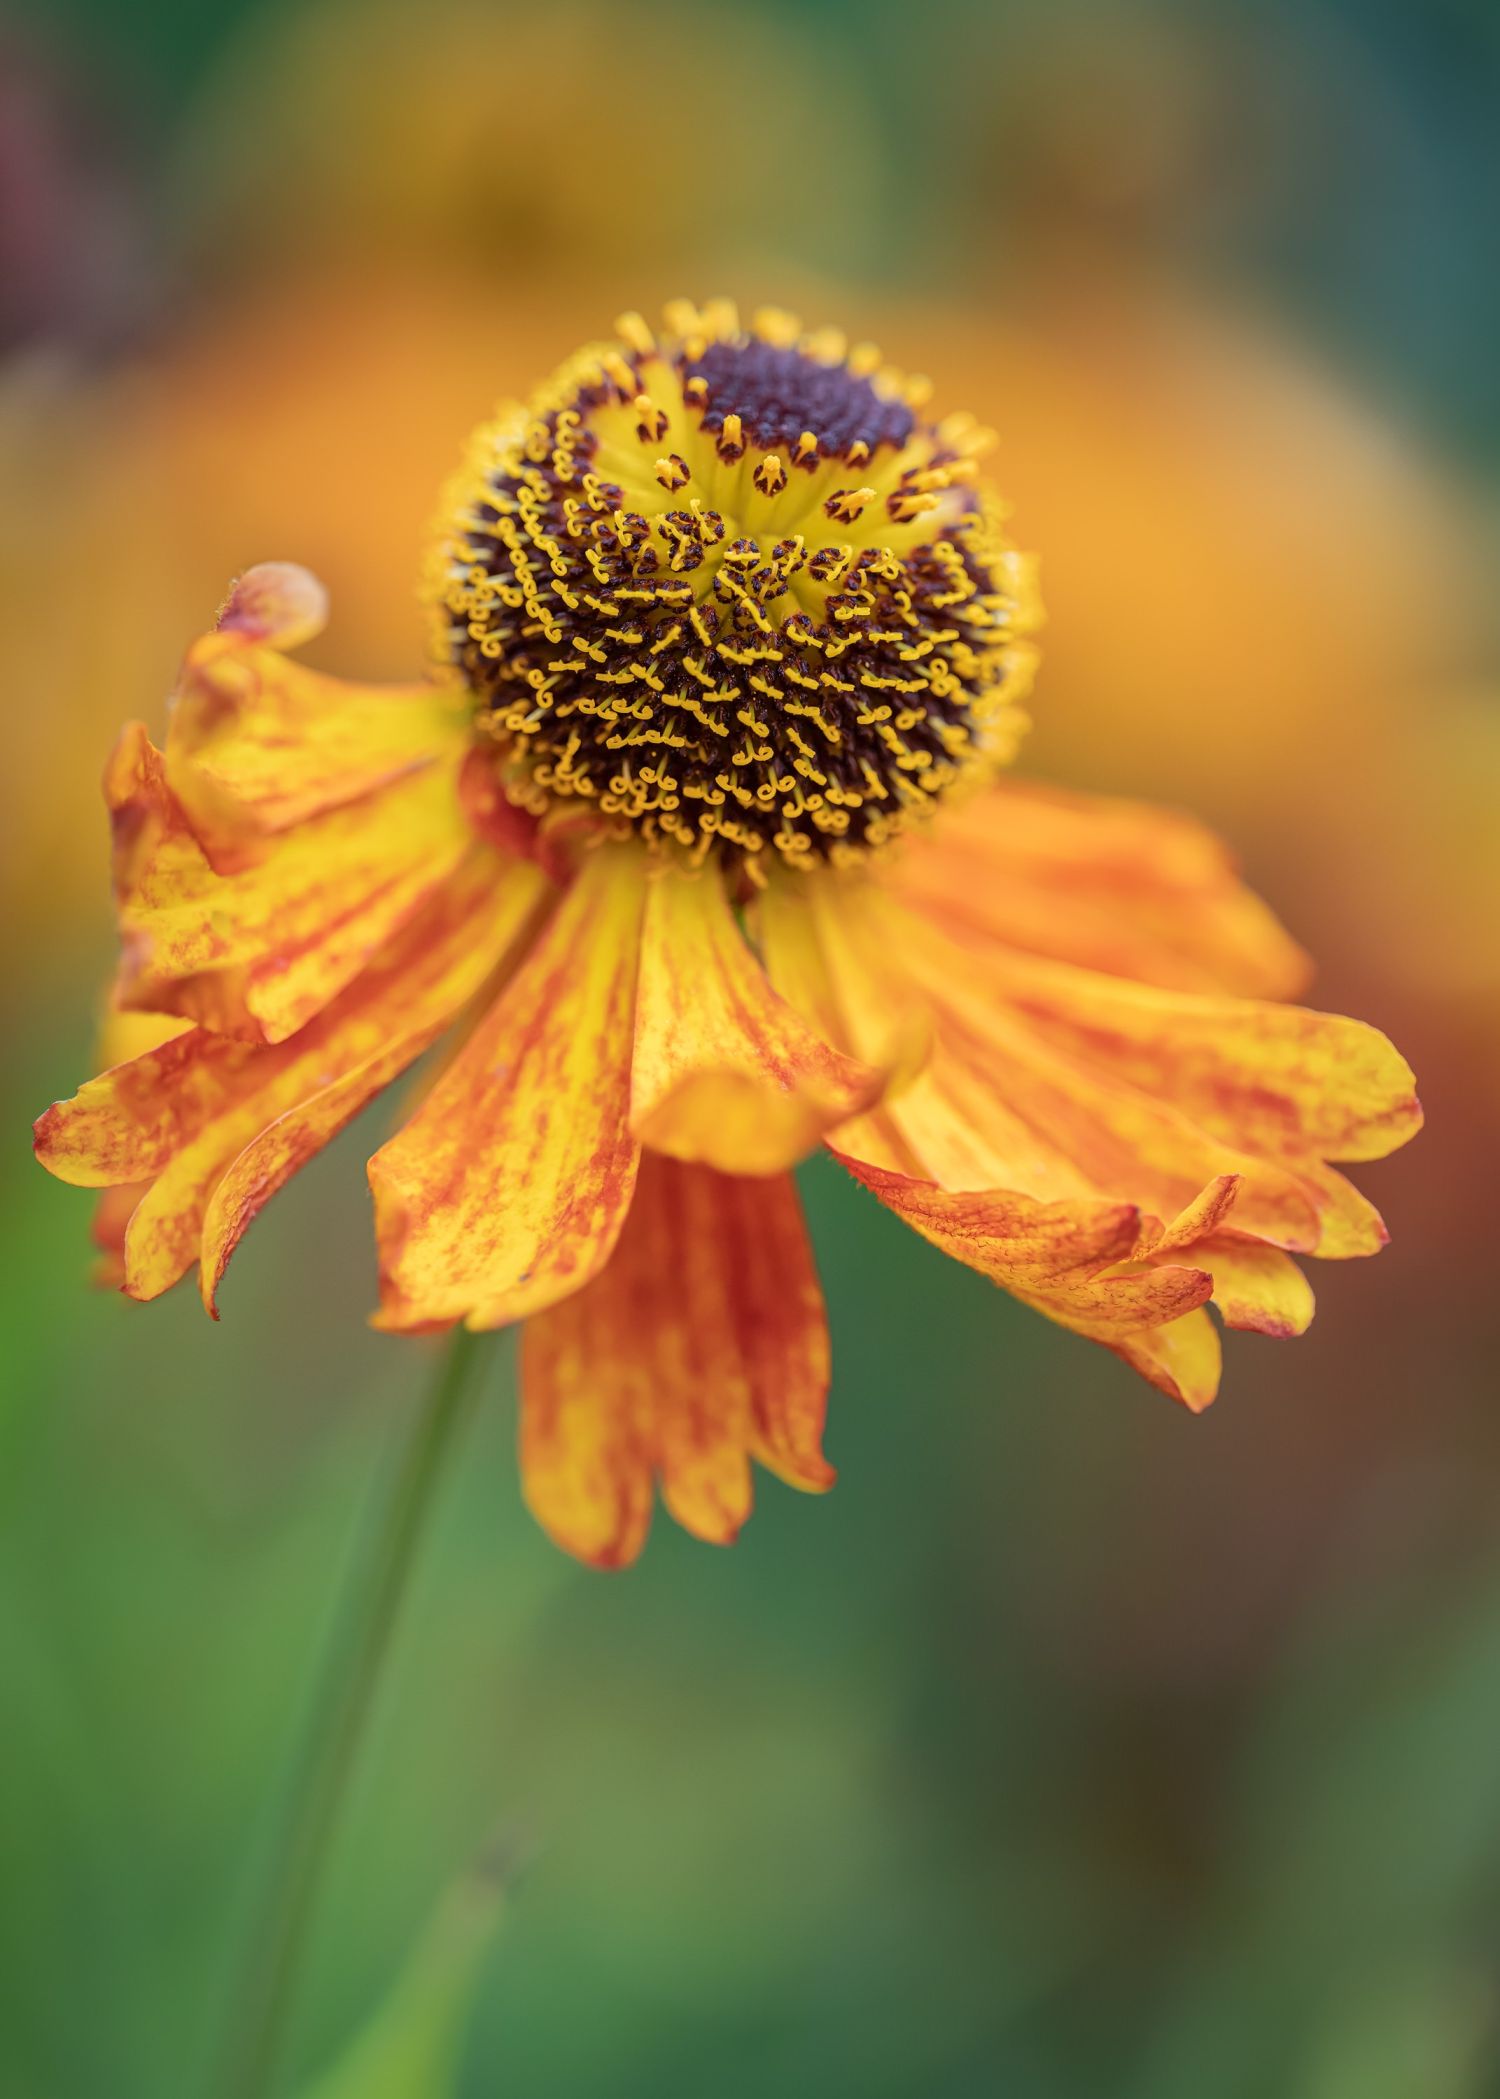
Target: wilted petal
1182 1358
1256 1287
257 743
700 1345
260 951
176 1117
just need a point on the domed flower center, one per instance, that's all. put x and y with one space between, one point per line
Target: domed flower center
724 588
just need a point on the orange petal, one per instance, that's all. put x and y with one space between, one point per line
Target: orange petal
1011 1238
1061 1258
127 1124
1182 1359
725 1071
700 1344
1350 1226
835 947
1203 1215
998 1108
1110 885
508 1187
176 1117
1256 1287
258 744
1007 1110
262 950
1281 1081
474 929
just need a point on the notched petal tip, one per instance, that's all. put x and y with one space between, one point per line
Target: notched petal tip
278 603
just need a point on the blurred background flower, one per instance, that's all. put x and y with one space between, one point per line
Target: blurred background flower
1077 1746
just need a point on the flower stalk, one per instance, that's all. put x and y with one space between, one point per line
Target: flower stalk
265 1987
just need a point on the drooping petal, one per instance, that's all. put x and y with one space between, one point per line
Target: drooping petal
1349 1225
1282 1081
1110 885
260 951
996 1107
1182 1358
177 1118
508 1187
1256 1287
1202 1216
726 1071
471 932
1001 1108
1062 1088
1060 1256
700 1345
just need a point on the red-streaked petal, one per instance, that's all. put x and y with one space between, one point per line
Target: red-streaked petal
257 743
725 1071
472 931
1034 1244
1182 1358
1350 1226
701 1344
1281 1081
508 1187
1116 886
997 1108
1256 1287
261 951
1062 1258
1204 1214
1002 1109
176 1117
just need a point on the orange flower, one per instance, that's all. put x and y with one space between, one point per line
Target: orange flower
695 839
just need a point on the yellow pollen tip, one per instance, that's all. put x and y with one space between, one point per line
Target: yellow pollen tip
848 504
632 329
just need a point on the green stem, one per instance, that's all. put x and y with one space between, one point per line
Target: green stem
315 1792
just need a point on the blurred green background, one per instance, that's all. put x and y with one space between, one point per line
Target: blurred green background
1071 1746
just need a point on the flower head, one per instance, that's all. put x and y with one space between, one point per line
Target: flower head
696 841
725 590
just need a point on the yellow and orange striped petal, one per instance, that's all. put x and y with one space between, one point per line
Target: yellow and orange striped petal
1003 1108
508 1187
178 1119
1110 885
1070 1260
257 743
836 949
725 1071
1281 1081
1183 1358
1256 1287
701 1345
260 951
